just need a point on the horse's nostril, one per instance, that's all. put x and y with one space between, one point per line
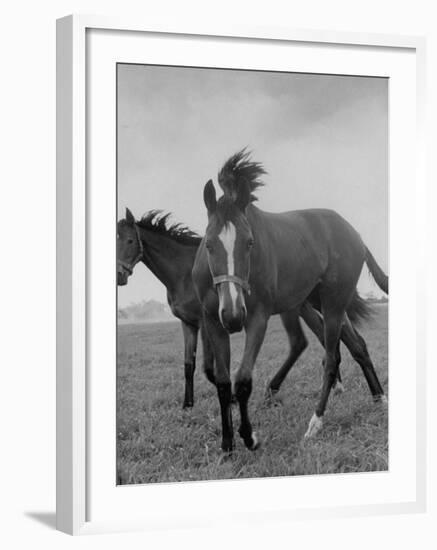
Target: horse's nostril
234 325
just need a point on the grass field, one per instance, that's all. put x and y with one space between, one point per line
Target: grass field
157 441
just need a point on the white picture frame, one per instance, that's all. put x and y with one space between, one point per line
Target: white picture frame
74 465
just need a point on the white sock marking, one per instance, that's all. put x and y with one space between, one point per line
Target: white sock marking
227 236
255 440
314 426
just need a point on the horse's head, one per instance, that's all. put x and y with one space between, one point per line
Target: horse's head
129 247
229 242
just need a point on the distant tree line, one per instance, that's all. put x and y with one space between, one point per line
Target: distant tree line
373 299
147 310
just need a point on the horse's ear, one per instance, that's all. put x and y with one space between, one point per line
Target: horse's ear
209 197
130 217
243 197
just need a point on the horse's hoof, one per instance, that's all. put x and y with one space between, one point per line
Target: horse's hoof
228 447
271 397
314 426
188 405
256 443
225 457
251 442
381 400
338 388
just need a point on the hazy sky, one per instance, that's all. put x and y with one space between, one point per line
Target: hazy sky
322 139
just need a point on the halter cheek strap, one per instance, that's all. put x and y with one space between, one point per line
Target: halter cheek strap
129 267
231 279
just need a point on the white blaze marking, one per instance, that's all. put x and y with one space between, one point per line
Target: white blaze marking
227 236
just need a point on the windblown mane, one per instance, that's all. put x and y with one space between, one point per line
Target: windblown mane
157 221
240 170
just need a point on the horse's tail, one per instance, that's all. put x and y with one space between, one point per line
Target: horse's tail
358 309
377 273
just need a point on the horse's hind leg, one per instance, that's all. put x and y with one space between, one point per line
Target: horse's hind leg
358 349
298 343
334 303
338 383
190 340
314 321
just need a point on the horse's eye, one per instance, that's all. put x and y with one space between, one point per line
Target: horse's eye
209 247
250 243
130 241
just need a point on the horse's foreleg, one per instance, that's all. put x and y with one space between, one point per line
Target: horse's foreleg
208 356
219 340
190 340
255 332
298 343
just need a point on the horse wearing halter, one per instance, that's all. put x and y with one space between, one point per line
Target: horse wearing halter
231 279
129 267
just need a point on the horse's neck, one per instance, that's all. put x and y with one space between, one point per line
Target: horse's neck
167 259
256 219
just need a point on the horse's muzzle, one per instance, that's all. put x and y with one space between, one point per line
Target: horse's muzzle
233 322
122 277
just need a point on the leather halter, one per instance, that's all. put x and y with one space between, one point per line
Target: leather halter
129 267
231 279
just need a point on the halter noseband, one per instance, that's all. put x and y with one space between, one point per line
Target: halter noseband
129 267
231 279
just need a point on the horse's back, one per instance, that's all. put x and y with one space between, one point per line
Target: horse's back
319 226
324 245
334 239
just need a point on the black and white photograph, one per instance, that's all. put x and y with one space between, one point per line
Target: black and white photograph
218 275
252 240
